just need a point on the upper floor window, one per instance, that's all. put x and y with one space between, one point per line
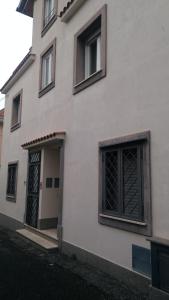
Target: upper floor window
90 52
16 112
47 72
49 11
47 69
49 14
12 181
125 183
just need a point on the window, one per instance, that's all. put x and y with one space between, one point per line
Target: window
92 56
125 183
90 52
47 73
12 181
16 112
47 69
49 14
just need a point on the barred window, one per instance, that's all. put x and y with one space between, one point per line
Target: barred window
12 180
124 183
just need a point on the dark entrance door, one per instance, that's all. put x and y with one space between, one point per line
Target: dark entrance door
33 188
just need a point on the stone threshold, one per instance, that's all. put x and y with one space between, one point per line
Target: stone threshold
39 239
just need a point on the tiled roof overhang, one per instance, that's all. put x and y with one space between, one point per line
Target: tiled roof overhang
47 139
26 7
18 72
70 9
66 7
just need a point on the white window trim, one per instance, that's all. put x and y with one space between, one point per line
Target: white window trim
49 11
47 69
87 55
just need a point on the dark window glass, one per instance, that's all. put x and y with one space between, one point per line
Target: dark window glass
49 182
93 57
56 182
16 112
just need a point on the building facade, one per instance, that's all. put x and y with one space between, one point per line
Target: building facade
85 145
1 129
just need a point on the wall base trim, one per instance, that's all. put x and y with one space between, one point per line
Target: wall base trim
10 223
130 278
156 294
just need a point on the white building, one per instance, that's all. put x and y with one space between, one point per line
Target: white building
85 145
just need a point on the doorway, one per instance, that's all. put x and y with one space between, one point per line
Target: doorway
32 210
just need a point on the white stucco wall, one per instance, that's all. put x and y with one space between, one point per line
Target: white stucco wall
133 97
1 134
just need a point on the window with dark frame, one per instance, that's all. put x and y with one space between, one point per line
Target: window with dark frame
16 112
90 52
47 71
12 181
125 184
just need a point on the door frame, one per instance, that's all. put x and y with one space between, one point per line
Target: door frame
61 147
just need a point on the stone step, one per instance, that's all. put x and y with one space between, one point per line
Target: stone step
37 239
47 234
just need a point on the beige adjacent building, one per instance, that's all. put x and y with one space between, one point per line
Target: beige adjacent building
85 147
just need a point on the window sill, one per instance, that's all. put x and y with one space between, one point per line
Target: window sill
88 81
10 198
123 220
48 25
16 126
46 89
141 228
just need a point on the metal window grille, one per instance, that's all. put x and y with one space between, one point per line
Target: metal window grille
33 189
11 184
123 181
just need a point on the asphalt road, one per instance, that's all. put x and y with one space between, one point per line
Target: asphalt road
27 273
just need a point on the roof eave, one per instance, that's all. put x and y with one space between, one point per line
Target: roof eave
26 7
30 58
70 9
57 137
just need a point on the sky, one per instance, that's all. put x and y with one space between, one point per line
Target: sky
15 39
